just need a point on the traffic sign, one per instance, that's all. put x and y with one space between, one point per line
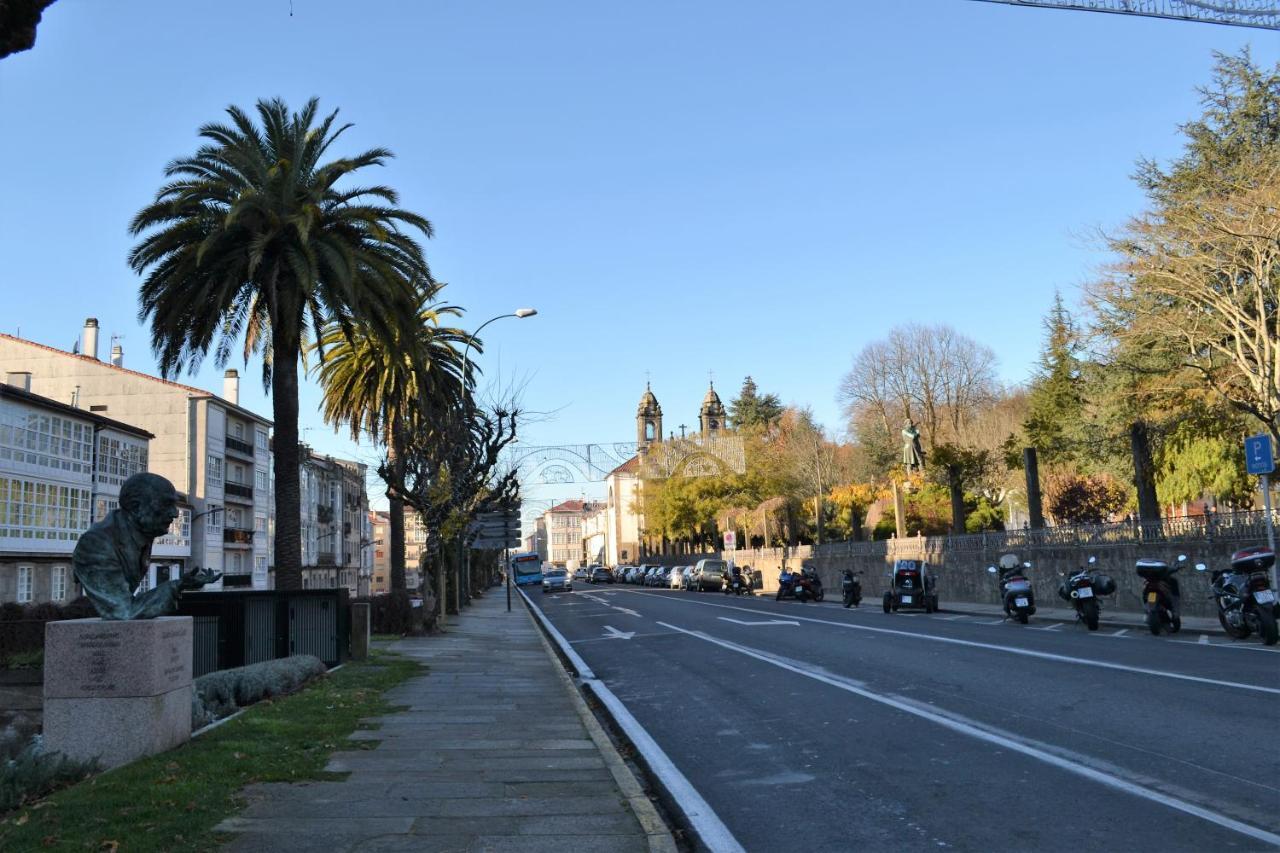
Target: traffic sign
731 540
1258 458
495 543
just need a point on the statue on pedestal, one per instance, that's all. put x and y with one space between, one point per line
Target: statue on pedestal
912 452
114 555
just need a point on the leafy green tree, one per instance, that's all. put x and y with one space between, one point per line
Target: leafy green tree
388 389
751 409
1197 275
252 236
1202 454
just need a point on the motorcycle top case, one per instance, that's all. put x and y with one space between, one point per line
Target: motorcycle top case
1153 569
1253 559
1104 584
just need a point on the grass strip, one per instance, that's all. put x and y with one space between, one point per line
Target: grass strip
172 801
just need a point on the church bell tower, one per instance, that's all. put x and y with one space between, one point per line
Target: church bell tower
711 416
648 421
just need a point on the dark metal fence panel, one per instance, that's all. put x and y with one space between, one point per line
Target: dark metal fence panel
204 655
313 628
259 630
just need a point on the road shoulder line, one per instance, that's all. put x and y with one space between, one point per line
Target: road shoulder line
680 794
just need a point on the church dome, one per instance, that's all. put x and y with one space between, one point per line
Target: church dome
648 403
711 402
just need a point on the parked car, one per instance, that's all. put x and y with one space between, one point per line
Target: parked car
600 575
686 578
709 575
580 574
556 580
675 578
660 576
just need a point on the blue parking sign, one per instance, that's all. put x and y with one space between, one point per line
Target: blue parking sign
1258 458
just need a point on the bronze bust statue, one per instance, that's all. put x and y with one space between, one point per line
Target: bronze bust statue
114 555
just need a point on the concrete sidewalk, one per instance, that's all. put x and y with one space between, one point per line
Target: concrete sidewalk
496 751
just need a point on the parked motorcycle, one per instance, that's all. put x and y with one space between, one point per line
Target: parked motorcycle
1246 601
851 587
1082 589
1161 595
802 586
1018 597
735 583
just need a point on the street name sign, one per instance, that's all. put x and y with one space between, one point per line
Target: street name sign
1258 458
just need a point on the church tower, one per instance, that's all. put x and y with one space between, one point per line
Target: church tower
648 421
712 415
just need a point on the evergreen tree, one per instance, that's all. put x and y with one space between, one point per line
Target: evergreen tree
750 409
1056 402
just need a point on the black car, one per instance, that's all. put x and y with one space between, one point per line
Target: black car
600 575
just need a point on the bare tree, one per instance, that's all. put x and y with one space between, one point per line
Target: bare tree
931 374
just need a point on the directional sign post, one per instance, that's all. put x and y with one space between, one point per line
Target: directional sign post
1259 459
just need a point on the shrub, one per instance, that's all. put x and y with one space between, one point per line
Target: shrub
221 694
392 613
33 772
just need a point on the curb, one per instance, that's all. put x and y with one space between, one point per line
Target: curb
655 828
678 795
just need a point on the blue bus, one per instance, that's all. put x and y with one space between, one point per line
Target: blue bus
526 569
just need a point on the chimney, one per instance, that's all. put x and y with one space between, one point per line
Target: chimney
91 337
18 379
117 355
231 386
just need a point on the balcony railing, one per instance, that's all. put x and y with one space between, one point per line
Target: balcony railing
237 536
239 490
243 447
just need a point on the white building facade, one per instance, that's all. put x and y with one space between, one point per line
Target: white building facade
216 453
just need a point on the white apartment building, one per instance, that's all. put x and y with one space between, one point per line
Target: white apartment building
215 452
61 469
563 524
337 537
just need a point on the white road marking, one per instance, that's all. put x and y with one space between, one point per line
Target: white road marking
770 622
625 610
1055 626
1012 650
1119 633
1204 639
949 618
998 738
614 634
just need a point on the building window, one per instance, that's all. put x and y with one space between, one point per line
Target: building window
59 587
259 523
262 439
238 429
46 441
179 532
235 474
102 506
234 518
260 481
24 584
214 470
213 521
31 509
118 460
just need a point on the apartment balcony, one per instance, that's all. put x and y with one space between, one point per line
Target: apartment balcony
244 448
237 536
324 558
239 490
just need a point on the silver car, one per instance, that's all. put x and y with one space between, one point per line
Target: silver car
675 578
556 580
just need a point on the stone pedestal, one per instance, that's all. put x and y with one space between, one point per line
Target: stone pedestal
360 631
117 690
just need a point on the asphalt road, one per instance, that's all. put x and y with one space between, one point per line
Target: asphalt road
811 727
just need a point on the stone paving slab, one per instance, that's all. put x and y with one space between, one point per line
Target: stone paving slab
494 751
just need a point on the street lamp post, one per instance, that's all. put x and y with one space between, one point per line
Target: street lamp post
519 314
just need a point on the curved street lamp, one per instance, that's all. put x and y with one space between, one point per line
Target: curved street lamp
519 314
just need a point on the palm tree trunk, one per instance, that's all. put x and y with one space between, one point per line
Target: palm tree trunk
396 509
284 400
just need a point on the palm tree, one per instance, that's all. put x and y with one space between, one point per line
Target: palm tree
252 236
386 389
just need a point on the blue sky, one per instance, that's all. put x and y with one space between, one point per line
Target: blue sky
739 187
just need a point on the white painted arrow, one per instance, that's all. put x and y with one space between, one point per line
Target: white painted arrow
624 610
770 622
613 633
